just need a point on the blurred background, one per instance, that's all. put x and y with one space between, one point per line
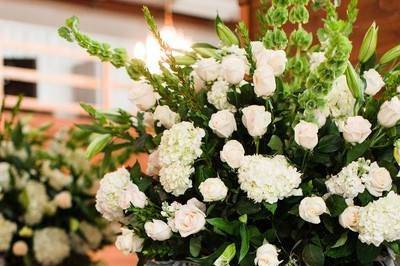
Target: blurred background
54 76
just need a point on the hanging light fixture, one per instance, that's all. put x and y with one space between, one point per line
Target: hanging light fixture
150 52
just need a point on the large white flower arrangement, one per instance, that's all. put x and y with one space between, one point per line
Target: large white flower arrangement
267 152
47 214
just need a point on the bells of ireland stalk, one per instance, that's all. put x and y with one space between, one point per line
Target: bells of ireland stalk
368 46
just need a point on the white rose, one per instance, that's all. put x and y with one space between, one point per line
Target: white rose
275 59
306 134
311 208
389 113
349 218
267 255
257 49
158 230
197 203
166 117
132 195
208 69
129 242
142 95
233 69
198 83
63 200
316 59
374 82
20 248
377 180
356 129
189 220
153 164
223 123
232 153
213 189
256 120
264 81
398 89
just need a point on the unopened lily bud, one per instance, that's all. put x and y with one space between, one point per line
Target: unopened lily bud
390 55
368 46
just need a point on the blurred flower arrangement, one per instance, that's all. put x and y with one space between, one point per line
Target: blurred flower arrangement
47 188
268 152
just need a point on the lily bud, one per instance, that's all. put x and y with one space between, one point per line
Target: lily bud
225 34
390 55
97 145
185 60
205 50
354 83
396 151
226 256
368 45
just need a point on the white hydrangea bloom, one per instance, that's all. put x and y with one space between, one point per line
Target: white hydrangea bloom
4 176
347 182
37 201
218 97
56 179
7 148
115 194
175 178
268 178
51 246
339 101
380 220
181 143
7 230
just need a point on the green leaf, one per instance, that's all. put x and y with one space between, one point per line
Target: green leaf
313 255
271 207
341 241
357 151
224 225
245 242
195 246
97 145
366 254
275 144
336 205
247 206
329 144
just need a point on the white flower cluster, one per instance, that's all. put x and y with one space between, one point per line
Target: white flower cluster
268 178
217 96
4 176
51 246
55 177
7 230
186 219
340 101
129 242
116 193
37 202
358 175
380 220
178 149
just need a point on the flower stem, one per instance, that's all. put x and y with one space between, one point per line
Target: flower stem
257 143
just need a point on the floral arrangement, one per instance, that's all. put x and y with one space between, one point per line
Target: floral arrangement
47 213
270 152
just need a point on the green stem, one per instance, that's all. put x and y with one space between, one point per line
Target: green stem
257 143
377 136
305 156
